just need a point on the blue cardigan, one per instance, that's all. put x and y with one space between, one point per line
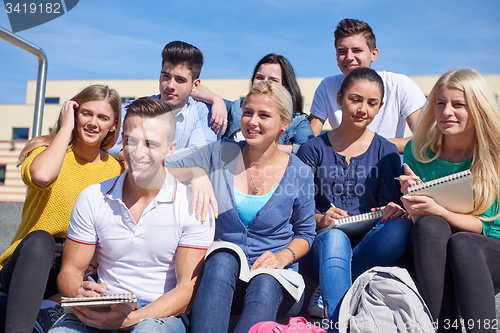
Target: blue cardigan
288 214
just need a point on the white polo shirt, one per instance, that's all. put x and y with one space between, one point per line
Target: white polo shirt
138 257
402 97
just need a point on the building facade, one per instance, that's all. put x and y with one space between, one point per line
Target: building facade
17 119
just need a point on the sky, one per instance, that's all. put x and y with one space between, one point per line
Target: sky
111 39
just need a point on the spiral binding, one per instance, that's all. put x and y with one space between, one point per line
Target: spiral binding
360 217
439 181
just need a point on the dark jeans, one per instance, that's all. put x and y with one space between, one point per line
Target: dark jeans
221 294
29 276
456 272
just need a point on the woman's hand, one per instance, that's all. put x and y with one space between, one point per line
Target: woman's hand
268 260
408 180
46 166
391 211
68 115
330 216
203 194
421 205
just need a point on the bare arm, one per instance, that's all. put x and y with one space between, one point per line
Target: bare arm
400 143
411 120
75 261
316 124
188 269
47 165
219 112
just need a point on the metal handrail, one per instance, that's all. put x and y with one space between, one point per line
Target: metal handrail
41 80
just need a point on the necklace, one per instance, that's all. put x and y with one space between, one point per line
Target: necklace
255 187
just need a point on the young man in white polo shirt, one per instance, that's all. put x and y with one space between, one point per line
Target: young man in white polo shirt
145 234
403 99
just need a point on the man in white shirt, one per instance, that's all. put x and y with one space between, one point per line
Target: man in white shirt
356 47
144 232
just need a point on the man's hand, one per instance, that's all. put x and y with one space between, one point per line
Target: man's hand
117 318
91 289
219 115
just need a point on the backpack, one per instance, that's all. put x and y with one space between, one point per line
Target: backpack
296 324
385 300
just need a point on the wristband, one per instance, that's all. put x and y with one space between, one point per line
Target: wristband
293 254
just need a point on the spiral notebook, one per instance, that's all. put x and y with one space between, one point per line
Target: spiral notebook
453 192
356 225
98 303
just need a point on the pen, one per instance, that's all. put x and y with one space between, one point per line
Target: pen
89 277
412 177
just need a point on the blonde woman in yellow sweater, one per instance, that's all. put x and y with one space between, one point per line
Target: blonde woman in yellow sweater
56 168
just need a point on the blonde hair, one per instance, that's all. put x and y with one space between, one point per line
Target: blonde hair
278 94
486 151
95 92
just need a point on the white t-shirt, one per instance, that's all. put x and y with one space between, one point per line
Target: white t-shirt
138 257
402 97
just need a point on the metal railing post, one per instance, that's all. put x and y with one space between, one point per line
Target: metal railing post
41 80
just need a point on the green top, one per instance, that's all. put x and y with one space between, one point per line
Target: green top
439 168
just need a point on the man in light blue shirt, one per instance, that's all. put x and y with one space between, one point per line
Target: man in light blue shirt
180 75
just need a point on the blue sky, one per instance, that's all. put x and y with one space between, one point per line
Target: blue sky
103 39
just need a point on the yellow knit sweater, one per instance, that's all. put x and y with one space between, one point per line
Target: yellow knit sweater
49 208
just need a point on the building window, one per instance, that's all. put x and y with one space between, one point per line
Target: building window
20 133
51 100
2 174
127 99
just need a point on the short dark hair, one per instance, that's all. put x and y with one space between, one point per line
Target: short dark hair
358 74
349 27
287 77
180 53
150 107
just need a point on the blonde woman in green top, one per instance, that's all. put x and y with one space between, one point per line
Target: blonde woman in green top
455 255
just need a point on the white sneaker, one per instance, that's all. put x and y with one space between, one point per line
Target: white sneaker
316 307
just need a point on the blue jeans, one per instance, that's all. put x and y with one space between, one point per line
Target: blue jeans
339 263
221 294
71 324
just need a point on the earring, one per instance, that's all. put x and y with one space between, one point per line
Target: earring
338 103
282 130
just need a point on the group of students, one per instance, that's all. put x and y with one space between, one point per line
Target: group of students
270 184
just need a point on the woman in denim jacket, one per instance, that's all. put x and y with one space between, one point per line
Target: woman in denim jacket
274 68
